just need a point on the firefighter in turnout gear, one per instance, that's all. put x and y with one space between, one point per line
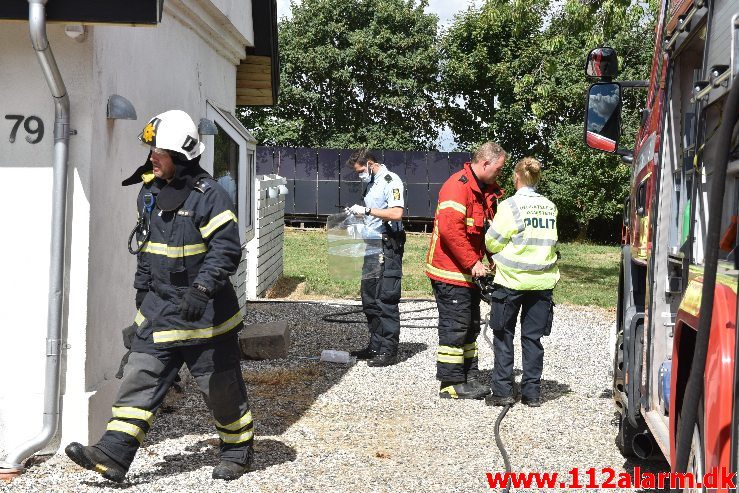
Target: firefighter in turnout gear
383 213
187 245
467 201
523 241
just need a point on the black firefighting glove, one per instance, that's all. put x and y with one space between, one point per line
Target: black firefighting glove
140 295
128 334
193 304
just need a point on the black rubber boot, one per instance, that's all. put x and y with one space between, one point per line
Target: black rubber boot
383 359
93 459
531 401
473 379
496 400
229 471
461 390
366 353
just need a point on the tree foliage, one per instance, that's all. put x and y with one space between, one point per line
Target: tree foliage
513 71
354 72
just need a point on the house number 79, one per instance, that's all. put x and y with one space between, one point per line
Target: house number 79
33 126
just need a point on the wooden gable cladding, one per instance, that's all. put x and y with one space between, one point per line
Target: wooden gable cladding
254 82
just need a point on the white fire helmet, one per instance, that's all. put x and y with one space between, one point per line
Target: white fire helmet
173 130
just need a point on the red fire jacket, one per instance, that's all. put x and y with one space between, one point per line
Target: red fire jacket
458 240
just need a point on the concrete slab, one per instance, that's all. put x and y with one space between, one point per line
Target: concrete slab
265 341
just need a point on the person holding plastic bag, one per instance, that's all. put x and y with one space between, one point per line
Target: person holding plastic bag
382 272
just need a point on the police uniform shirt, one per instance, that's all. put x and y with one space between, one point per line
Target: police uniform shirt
385 191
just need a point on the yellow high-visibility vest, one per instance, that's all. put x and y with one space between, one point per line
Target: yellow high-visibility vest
523 241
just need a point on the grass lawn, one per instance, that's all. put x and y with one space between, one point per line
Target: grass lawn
589 272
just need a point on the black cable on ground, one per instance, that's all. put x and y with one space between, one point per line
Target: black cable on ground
499 443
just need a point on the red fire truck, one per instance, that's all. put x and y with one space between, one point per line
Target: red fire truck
674 377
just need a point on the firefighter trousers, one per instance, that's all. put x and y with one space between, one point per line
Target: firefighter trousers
459 326
149 374
536 309
381 295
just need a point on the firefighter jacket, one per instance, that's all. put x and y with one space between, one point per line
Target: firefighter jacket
195 242
458 240
523 241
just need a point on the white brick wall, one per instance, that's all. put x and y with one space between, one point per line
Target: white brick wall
264 252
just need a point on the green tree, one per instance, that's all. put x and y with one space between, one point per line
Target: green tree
490 57
513 71
353 73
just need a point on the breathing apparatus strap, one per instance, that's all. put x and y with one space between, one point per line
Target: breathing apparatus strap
143 225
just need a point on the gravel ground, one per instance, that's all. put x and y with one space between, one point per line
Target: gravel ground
339 428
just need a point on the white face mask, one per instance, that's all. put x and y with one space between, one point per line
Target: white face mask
365 176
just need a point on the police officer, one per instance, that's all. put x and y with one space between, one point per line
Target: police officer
523 239
380 288
467 200
187 247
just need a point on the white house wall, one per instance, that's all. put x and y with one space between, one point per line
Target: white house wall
171 66
26 202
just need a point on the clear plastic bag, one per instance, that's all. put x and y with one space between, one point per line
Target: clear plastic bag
354 250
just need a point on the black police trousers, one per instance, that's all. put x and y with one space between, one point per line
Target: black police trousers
148 375
536 321
380 291
459 326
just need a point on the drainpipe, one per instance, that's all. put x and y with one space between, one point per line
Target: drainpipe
37 20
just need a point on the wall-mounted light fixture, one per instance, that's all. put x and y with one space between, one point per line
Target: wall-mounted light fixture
207 127
77 32
120 108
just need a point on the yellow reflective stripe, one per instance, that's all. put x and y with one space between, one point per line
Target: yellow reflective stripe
446 274
148 176
183 335
470 350
446 354
237 437
452 360
434 239
139 319
450 204
450 390
133 413
217 222
127 428
470 221
245 420
100 468
174 251
691 301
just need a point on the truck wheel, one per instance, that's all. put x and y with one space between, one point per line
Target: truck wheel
696 459
625 436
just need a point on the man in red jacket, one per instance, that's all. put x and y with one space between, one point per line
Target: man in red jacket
467 201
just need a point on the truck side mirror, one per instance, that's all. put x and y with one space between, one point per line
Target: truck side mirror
602 63
603 117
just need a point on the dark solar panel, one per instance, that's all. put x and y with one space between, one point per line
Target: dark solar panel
346 172
306 165
305 197
328 197
438 166
433 198
417 201
290 197
285 160
350 193
415 167
395 162
457 160
265 163
328 164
